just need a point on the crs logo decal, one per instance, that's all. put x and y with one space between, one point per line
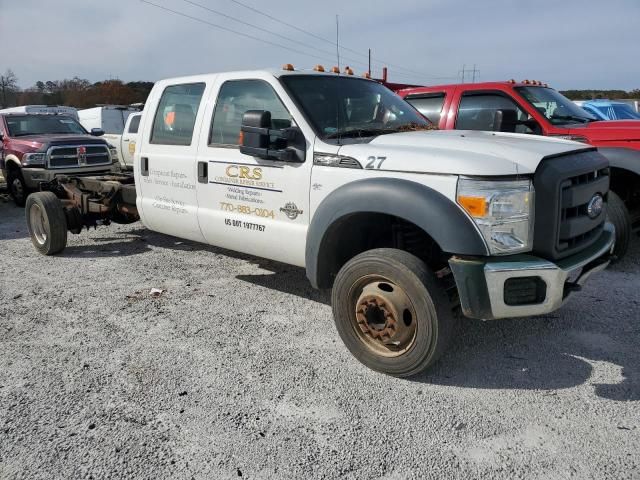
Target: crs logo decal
291 210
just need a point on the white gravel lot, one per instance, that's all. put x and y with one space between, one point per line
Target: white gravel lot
236 370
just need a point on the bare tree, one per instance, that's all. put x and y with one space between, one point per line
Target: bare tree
8 86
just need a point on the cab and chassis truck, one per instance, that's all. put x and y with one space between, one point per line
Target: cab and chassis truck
407 227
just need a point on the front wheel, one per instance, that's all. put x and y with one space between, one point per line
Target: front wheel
47 222
618 214
390 312
17 187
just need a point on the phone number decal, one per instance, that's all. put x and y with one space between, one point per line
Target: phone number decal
247 210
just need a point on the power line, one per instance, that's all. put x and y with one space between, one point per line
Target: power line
266 30
317 37
231 31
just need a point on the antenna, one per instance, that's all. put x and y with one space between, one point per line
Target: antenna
338 41
369 62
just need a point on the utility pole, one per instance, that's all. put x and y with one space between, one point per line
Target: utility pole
338 41
474 73
369 62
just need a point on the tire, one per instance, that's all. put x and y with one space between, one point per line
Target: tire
618 214
17 187
368 294
47 222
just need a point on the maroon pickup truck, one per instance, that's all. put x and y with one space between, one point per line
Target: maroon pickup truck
36 148
531 107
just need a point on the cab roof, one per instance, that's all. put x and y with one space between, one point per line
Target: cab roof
275 72
477 86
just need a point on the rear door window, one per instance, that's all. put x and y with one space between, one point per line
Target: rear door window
175 117
430 105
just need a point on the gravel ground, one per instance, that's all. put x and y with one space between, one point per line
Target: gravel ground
236 370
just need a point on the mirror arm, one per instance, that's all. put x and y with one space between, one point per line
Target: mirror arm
286 133
284 155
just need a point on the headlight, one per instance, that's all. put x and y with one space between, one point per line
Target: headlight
114 154
503 211
34 159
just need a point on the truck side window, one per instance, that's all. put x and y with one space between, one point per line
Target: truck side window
477 112
429 104
234 99
135 124
176 114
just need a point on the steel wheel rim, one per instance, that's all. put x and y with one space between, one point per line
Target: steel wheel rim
36 218
382 316
16 187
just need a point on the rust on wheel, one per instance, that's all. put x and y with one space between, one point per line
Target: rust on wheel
384 317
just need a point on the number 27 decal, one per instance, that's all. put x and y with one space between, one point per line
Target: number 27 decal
372 162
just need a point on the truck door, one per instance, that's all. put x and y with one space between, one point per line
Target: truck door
166 169
249 204
129 137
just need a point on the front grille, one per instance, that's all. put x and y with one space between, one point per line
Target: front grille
67 156
565 184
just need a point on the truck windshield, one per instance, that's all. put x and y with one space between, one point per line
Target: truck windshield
23 125
339 107
558 109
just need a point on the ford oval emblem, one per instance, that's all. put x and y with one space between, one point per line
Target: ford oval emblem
596 205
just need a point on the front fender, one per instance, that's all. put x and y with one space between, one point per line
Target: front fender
428 209
625 158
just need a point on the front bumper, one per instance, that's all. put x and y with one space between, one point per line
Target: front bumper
33 177
488 292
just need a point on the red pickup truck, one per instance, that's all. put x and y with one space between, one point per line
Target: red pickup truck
534 108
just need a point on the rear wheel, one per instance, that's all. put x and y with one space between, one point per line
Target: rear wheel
618 214
17 187
390 312
47 222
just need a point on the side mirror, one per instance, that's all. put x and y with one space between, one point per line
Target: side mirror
505 121
256 137
97 132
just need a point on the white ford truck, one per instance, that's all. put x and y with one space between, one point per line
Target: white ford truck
338 175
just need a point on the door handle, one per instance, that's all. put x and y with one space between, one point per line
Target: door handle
203 172
144 166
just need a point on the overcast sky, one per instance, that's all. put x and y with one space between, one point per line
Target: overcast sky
569 44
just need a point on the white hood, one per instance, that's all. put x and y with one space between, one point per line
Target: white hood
460 152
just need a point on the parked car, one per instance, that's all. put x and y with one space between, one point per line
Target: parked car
608 110
36 148
533 108
112 119
336 174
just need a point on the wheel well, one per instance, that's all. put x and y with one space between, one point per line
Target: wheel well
359 232
627 185
11 166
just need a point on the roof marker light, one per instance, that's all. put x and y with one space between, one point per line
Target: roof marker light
335 70
348 70
366 75
318 68
288 67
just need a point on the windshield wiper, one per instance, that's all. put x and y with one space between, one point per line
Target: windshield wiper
571 117
361 132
